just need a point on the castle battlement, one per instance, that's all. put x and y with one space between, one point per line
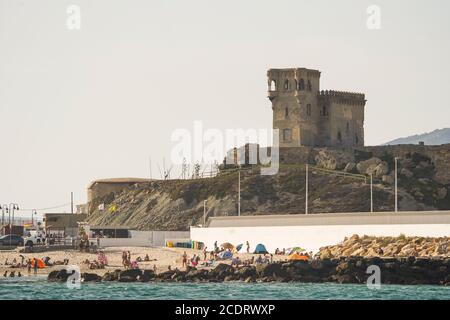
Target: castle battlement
308 116
343 97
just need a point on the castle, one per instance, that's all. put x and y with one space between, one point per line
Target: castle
306 116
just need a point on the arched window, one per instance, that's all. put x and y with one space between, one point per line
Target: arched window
286 112
301 85
339 137
273 86
308 110
309 86
286 84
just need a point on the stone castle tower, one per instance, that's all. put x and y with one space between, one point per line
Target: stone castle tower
306 116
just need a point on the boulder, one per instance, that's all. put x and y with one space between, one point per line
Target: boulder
223 268
332 159
91 277
147 275
374 166
129 275
271 270
111 276
59 275
245 272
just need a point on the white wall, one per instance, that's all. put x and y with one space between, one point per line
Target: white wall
310 238
145 238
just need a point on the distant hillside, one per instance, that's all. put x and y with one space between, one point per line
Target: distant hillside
436 137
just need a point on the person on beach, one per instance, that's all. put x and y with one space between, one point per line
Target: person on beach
5 274
29 266
154 268
205 253
248 247
184 260
35 267
146 258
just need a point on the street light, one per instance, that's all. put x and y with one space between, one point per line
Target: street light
204 213
396 184
306 189
12 208
4 209
33 212
239 192
371 192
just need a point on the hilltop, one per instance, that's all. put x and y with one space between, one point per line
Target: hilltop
436 137
178 204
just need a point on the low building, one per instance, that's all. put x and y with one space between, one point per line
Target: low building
63 224
103 187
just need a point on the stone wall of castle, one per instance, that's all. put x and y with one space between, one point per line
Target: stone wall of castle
306 116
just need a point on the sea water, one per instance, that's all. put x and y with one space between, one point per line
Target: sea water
39 288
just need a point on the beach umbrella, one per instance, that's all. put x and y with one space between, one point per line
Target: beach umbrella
239 247
227 245
40 263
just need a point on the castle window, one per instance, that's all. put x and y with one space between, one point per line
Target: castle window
301 85
348 127
287 134
286 112
356 139
308 110
324 111
339 137
273 86
286 84
309 86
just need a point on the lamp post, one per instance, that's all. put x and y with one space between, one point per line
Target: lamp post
239 192
371 192
12 208
204 213
396 184
4 209
33 212
306 189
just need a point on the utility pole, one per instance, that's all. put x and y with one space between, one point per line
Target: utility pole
306 188
71 202
239 192
150 166
396 185
371 192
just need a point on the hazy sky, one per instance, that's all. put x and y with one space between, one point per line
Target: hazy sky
77 105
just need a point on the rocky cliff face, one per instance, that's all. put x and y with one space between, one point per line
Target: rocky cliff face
178 204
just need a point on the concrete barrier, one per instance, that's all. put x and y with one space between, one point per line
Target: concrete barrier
314 231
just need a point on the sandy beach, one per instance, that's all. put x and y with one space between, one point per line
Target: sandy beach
164 257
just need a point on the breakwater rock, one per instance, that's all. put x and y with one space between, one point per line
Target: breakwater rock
407 270
402 246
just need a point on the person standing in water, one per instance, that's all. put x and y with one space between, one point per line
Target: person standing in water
35 266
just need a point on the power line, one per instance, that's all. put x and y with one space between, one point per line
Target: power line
50 208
